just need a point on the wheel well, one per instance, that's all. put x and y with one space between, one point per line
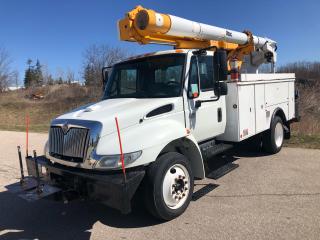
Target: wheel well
279 112
189 149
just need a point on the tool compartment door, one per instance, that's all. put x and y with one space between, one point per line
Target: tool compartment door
247 124
262 121
276 93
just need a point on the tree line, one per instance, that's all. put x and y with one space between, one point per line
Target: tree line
95 57
307 73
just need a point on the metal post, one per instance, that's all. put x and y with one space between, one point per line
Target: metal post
21 166
39 190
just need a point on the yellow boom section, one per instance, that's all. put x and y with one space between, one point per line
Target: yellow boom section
147 26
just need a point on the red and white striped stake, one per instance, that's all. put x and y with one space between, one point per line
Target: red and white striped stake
121 152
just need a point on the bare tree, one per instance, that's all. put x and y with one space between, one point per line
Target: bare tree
5 71
70 77
95 58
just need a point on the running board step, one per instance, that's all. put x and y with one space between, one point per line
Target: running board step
225 169
210 148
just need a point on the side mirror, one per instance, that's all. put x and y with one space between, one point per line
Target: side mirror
223 88
220 65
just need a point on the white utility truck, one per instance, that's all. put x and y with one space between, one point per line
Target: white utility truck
163 114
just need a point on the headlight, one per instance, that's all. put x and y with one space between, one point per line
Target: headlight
114 161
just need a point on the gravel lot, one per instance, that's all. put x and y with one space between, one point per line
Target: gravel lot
266 197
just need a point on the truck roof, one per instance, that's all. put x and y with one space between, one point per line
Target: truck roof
157 53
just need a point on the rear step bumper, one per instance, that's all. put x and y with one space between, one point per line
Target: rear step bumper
109 187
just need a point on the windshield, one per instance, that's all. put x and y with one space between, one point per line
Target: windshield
151 77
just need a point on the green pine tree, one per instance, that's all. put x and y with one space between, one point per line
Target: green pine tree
38 74
89 75
28 78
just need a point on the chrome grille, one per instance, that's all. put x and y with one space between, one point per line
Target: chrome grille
71 145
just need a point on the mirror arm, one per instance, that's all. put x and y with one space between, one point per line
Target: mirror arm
199 102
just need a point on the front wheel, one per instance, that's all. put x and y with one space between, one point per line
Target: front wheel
273 138
170 186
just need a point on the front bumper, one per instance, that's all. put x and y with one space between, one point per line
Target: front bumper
108 187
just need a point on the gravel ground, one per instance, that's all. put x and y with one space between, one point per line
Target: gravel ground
266 197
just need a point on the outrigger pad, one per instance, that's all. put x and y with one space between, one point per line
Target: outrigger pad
38 193
27 184
30 191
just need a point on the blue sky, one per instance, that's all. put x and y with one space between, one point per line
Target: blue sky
57 31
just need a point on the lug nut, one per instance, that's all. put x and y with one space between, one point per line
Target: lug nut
186 188
183 177
183 194
185 182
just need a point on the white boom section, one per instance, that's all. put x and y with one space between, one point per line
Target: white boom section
148 26
185 28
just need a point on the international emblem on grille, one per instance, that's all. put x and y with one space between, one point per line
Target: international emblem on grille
65 128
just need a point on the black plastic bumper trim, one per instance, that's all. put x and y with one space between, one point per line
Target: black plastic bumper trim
105 186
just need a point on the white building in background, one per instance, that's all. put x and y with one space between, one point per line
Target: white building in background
14 88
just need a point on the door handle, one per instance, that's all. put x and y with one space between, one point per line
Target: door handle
219 114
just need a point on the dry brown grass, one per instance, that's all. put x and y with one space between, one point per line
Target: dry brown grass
57 99
309 110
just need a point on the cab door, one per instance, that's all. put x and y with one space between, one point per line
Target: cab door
206 119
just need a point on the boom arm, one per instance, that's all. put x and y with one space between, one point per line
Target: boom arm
147 26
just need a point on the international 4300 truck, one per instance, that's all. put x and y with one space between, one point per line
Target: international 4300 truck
164 114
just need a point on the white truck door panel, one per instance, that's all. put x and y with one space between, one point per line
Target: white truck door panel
205 122
208 120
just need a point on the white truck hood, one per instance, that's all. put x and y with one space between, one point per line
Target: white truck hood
129 111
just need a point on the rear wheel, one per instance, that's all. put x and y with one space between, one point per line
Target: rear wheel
273 138
170 186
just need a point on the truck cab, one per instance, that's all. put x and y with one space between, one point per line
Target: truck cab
157 93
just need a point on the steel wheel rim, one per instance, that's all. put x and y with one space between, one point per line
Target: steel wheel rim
176 186
278 134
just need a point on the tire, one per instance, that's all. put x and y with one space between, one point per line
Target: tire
168 191
273 138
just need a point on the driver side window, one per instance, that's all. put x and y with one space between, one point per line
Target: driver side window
205 64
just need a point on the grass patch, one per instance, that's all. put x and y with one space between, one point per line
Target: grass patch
58 99
303 141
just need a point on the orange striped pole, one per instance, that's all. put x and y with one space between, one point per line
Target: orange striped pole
121 152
